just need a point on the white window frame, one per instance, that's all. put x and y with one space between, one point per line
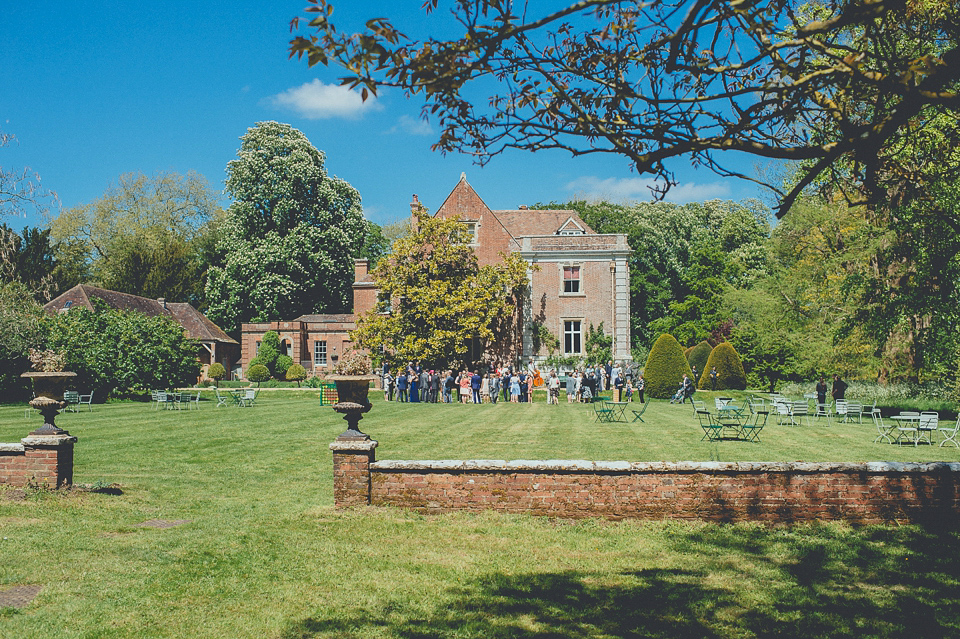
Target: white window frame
320 352
578 281
572 336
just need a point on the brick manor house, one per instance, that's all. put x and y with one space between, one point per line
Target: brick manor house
583 279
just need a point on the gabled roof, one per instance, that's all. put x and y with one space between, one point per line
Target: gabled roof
195 324
463 202
527 222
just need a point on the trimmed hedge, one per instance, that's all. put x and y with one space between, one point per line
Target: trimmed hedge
665 367
699 354
730 375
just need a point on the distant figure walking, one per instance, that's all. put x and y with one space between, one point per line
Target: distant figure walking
839 387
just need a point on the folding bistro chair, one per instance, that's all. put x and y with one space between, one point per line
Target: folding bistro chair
712 430
72 398
602 413
929 423
855 412
949 434
638 414
86 399
751 429
883 430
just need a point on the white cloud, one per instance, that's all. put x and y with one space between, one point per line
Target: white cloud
637 188
412 126
316 101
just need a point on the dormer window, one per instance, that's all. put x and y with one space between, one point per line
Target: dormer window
571 227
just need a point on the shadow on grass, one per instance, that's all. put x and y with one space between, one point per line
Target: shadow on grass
753 582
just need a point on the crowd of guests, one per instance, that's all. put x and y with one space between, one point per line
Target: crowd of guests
416 383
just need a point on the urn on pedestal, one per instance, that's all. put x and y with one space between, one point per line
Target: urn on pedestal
48 387
352 375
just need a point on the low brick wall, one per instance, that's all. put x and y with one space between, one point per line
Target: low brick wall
874 492
42 460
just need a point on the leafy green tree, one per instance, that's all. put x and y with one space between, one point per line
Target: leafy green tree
269 350
442 299
114 352
216 371
653 81
29 257
598 346
146 234
258 373
296 373
665 367
375 244
283 363
19 331
290 236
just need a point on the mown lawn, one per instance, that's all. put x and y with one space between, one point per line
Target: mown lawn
266 555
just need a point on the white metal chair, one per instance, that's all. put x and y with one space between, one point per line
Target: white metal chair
221 399
841 409
799 409
855 412
783 412
929 423
949 434
86 399
72 398
883 430
823 410
908 432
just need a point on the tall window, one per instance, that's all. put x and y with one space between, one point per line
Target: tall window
319 353
572 337
472 230
571 279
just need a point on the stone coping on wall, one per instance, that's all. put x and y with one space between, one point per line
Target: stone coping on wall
11 448
585 466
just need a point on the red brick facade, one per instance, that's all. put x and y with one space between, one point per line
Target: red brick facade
876 492
40 460
556 244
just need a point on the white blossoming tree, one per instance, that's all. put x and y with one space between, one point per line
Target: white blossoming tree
290 236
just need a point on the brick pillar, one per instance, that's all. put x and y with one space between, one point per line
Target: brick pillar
351 471
50 458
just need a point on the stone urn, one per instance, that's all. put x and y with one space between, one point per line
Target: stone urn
48 388
352 402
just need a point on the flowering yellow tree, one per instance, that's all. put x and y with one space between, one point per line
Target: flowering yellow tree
441 298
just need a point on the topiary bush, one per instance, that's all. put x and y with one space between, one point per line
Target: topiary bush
216 371
665 367
258 373
296 373
698 355
730 375
269 351
283 363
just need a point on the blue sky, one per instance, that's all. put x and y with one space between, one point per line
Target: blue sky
98 89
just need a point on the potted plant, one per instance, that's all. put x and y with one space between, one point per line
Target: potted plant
352 375
49 381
